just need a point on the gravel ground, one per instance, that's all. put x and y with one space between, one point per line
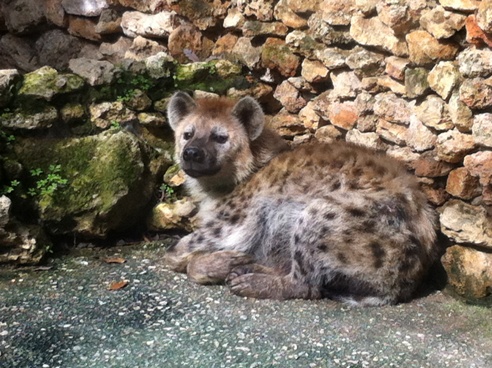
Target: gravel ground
66 316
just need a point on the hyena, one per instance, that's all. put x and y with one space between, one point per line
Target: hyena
319 220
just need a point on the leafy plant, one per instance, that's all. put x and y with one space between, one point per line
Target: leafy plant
115 125
167 193
47 183
7 189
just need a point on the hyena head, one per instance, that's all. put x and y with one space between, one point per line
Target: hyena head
213 137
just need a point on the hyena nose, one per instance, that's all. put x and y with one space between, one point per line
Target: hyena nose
194 154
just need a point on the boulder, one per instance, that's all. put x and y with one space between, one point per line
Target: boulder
469 273
46 82
148 25
20 244
23 16
86 8
466 224
108 182
177 215
95 72
55 48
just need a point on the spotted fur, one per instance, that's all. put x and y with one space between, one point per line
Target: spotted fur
320 220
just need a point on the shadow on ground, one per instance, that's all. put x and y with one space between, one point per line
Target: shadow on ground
66 316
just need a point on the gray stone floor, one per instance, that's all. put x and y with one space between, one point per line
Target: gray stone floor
65 316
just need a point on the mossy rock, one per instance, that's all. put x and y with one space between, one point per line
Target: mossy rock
212 76
111 177
46 82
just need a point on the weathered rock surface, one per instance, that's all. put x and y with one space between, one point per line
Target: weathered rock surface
19 243
173 216
466 224
469 272
111 178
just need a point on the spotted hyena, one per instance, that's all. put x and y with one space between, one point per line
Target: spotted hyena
319 220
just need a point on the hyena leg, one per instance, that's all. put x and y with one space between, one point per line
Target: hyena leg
267 286
178 256
213 268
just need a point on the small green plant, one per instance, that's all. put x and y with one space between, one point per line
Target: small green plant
115 125
8 138
167 193
131 83
47 183
7 189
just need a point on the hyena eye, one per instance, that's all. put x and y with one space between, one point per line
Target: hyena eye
187 135
220 138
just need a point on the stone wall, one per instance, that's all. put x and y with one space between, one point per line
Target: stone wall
413 78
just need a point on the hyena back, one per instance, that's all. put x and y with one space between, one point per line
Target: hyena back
320 220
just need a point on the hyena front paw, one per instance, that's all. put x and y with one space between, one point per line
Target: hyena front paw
212 268
255 285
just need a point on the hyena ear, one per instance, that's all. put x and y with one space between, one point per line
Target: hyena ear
180 105
248 111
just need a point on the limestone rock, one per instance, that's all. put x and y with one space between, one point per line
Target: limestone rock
289 97
400 16
177 215
275 54
443 78
115 52
462 5
416 83
46 82
460 183
332 57
72 113
55 48
461 115
476 93
328 35
146 6
424 48
247 53
484 16
16 52
337 13
87 8
466 224
314 71
310 119
453 146
345 84
396 66
392 108
203 14
475 62
343 114
419 137
20 244
224 45
370 140
395 133
95 72
365 62
253 28
373 32
475 35
259 9
7 79
442 23
104 114
480 164
152 119
469 272
159 65
234 19
148 25
434 113
54 13
111 179
284 13
386 83
23 16
288 125
84 28
482 129
109 22
428 165
40 117
187 40
143 48
327 134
